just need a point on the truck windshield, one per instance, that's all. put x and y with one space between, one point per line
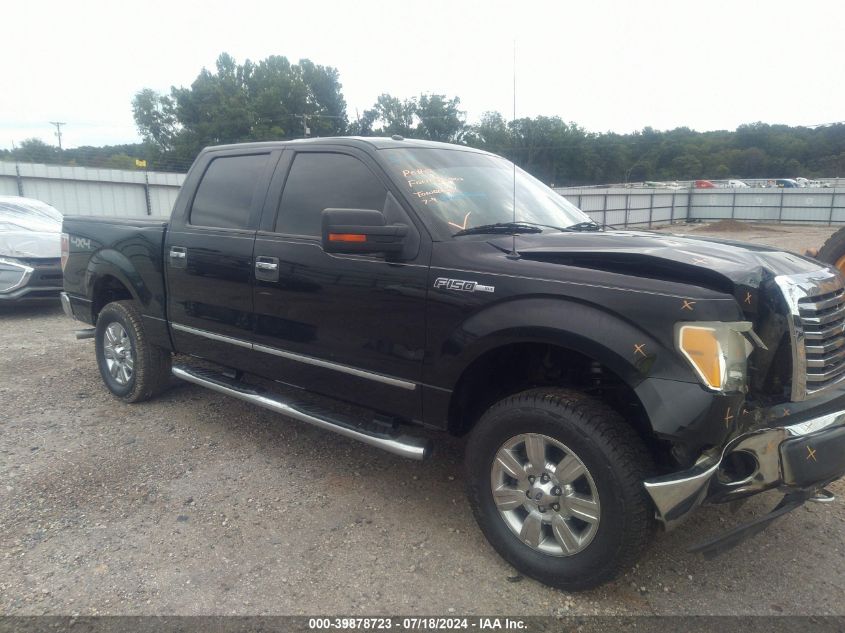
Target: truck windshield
460 190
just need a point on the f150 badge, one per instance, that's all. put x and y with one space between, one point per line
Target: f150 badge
462 285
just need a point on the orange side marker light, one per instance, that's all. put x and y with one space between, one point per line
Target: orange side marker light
347 237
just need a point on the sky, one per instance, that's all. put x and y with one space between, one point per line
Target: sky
605 65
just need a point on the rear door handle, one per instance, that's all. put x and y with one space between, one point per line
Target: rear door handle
267 268
178 256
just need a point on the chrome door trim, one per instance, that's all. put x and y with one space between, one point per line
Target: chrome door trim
361 373
214 337
310 360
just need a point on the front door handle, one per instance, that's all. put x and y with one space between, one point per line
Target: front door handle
267 268
178 256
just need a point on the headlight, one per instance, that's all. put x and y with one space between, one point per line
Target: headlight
717 351
12 274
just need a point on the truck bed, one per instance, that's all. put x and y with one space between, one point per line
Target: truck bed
124 252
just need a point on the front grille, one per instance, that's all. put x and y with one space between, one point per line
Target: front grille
816 303
823 321
50 278
47 272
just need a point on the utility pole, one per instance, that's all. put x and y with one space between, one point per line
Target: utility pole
306 131
58 125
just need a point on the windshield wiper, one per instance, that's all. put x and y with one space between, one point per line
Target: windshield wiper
505 227
584 226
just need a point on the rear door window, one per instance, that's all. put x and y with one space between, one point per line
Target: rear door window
226 194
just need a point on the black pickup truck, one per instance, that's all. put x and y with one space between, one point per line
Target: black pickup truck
607 381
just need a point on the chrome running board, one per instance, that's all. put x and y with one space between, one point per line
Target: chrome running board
374 434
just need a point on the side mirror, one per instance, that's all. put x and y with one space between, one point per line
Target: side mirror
361 231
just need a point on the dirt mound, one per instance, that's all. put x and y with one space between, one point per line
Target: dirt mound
734 226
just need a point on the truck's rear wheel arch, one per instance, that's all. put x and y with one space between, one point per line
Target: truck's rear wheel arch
108 288
515 367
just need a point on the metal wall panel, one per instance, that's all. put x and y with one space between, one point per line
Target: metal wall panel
91 191
89 198
162 200
621 206
8 186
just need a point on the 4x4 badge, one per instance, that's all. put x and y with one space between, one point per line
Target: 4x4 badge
462 284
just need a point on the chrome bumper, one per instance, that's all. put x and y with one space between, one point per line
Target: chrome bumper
773 450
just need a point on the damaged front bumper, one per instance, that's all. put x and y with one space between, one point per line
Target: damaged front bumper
799 458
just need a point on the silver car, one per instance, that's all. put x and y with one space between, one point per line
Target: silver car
30 251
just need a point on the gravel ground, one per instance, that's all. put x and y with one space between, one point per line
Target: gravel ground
789 237
195 503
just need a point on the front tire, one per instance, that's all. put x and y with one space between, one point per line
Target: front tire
555 483
833 250
132 369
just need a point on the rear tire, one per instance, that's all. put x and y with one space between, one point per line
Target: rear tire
132 369
833 250
594 515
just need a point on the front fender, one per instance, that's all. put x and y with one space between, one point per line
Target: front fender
611 339
678 408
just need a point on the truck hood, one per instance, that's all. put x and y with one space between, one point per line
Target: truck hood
706 261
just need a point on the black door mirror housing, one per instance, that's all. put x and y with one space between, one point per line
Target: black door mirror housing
361 231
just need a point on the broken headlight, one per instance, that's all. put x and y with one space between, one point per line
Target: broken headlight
717 351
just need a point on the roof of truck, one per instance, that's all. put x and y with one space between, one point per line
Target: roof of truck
374 142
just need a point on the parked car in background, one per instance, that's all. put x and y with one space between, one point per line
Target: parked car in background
30 250
704 184
674 185
806 182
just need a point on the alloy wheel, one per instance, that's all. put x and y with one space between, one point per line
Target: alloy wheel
117 349
545 494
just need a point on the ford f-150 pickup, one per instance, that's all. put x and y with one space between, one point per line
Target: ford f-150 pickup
607 381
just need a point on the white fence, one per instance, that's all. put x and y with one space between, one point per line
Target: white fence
91 191
620 206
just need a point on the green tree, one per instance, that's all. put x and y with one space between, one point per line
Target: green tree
236 102
491 133
363 124
34 150
440 119
686 167
155 116
395 116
